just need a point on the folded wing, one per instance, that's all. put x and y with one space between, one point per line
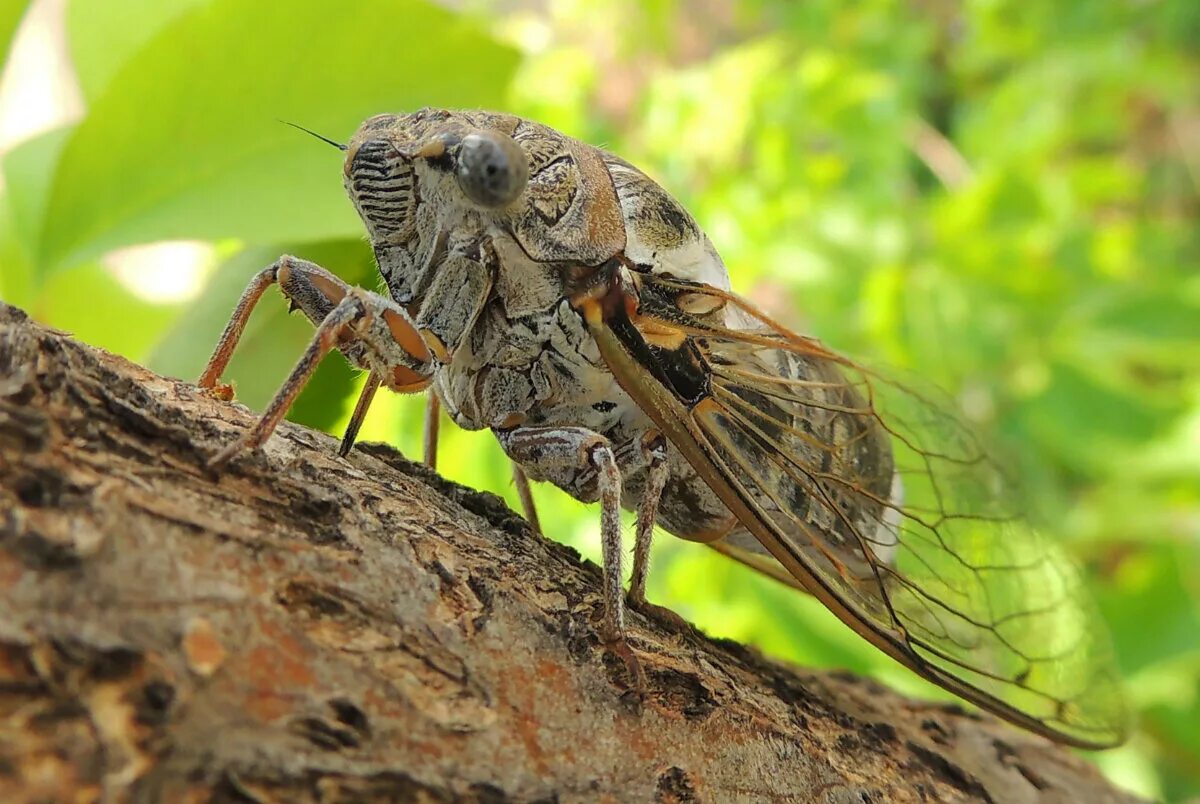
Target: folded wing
866 492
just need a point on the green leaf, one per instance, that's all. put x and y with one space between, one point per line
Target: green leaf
86 300
1086 420
1152 591
28 171
1152 315
185 141
105 33
1174 727
16 272
11 12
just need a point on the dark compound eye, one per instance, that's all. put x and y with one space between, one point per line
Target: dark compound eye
492 169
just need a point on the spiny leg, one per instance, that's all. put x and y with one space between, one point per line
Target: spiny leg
309 288
345 315
433 409
237 324
453 301
360 413
654 449
371 331
608 478
521 481
561 450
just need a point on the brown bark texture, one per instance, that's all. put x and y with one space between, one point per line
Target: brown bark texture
301 627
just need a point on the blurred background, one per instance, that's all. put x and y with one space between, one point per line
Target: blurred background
1000 195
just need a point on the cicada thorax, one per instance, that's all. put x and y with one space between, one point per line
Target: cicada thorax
661 236
529 358
570 213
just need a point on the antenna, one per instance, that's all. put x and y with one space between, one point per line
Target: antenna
334 143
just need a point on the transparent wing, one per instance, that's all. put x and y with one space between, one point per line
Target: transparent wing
876 500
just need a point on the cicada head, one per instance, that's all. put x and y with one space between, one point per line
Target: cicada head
415 176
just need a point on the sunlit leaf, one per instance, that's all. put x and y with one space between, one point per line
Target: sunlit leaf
11 12
103 34
28 175
185 140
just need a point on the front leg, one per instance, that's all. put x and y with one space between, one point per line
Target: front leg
461 287
462 282
566 451
372 332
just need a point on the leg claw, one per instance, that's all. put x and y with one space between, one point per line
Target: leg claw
222 392
620 648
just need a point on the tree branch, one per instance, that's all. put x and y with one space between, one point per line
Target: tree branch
302 627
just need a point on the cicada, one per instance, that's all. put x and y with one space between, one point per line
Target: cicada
551 292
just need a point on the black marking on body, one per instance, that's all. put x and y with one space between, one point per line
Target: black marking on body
667 210
544 146
686 371
681 370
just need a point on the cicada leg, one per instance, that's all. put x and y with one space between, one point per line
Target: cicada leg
460 288
433 409
654 450
462 283
360 413
371 331
555 449
521 481
233 330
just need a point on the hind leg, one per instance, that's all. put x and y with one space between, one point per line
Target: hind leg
654 450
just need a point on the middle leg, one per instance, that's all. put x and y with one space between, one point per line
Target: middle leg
528 507
563 453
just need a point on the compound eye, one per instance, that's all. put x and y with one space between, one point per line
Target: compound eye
492 169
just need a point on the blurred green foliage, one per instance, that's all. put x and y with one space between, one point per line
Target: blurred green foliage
1001 195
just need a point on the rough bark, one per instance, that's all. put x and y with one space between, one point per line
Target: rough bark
302 627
